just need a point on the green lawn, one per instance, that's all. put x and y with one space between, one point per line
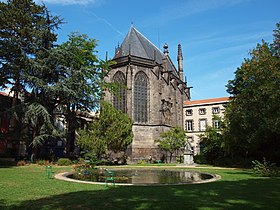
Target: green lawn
27 187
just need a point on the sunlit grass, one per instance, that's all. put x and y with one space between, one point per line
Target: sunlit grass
28 187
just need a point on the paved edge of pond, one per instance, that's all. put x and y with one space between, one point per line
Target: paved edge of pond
64 176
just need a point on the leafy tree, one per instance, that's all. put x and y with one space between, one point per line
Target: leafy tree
112 132
172 141
212 142
254 111
81 88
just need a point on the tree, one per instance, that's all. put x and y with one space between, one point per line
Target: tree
81 88
212 143
254 111
172 141
27 30
26 40
112 132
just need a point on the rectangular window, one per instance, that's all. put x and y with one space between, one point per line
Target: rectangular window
189 112
202 111
202 124
216 110
189 125
216 124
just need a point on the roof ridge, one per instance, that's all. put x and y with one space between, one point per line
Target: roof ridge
132 27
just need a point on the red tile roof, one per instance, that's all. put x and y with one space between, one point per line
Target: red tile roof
206 101
3 94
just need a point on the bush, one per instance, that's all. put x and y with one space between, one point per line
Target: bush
64 162
42 162
142 162
266 168
200 159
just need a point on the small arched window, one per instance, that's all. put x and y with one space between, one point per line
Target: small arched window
119 97
141 98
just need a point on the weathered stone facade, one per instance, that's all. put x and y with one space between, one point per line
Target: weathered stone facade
154 94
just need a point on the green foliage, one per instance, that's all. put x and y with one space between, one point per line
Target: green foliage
26 41
112 132
64 162
41 162
266 168
212 144
81 88
26 36
86 172
141 162
172 141
66 77
253 114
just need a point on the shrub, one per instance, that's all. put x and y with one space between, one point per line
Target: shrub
142 162
266 168
64 162
86 172
41 162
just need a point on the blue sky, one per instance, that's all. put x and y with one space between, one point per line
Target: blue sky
216 35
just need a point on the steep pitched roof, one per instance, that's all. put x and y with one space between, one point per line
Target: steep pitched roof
136 44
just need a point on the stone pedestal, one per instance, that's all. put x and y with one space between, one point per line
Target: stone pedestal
188 159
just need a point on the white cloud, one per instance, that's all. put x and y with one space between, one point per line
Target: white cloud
71 2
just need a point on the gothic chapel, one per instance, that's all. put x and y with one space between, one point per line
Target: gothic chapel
153 92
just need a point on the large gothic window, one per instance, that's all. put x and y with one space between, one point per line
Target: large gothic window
119 98
141 98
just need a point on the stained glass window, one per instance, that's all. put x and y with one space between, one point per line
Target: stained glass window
119 97
141 98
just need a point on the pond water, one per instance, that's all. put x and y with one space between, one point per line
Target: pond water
145 176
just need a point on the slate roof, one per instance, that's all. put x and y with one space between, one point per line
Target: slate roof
136 44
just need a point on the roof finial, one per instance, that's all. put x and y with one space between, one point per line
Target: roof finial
165 47
132 24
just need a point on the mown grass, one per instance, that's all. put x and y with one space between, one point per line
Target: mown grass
28 187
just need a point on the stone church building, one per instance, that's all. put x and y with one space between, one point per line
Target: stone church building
152 92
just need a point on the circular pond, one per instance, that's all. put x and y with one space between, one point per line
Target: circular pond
141 176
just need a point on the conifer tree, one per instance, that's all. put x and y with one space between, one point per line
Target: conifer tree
26 42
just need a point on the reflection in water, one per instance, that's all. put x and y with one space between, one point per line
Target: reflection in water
147 176
161 176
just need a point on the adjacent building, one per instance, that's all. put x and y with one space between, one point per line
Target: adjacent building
199 114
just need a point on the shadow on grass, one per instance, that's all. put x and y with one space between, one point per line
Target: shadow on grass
244 194
7 164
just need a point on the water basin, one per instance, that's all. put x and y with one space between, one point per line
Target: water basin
146 177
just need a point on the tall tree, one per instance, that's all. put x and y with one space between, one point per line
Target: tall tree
27 30
26 40
172 141
254 111
112 132
81 88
